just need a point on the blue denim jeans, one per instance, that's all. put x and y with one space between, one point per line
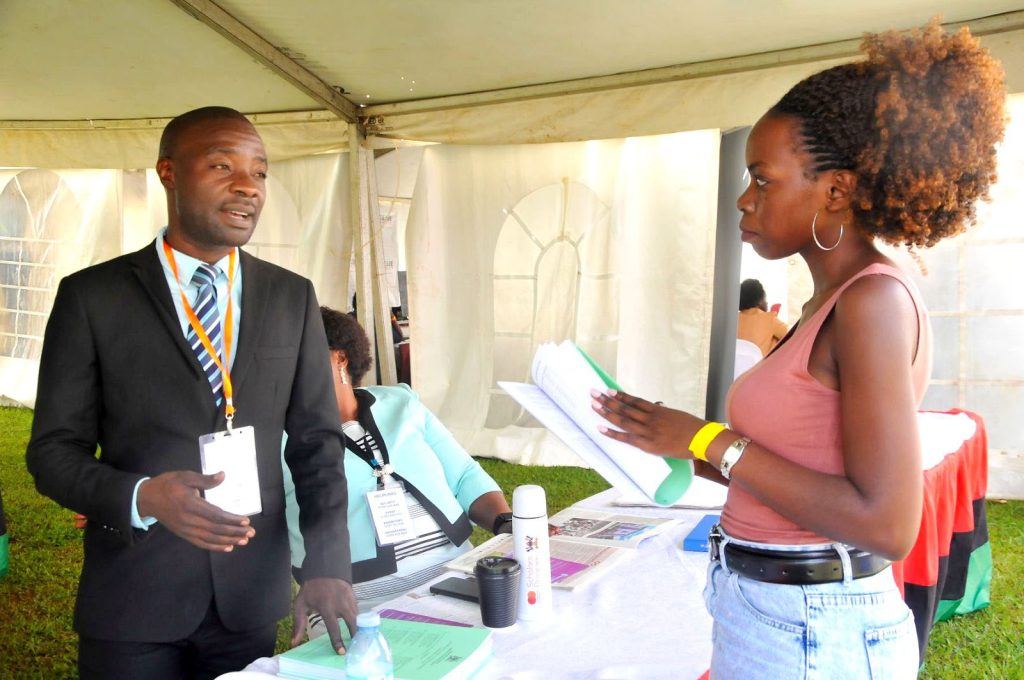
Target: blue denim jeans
855 629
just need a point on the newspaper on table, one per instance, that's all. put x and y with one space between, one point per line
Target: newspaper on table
573 563
596 527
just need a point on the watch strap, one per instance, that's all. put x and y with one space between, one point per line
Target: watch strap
500 521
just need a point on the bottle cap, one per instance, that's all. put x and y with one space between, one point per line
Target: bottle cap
368 620
529 502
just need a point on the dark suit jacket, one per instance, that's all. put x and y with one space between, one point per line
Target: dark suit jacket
116 372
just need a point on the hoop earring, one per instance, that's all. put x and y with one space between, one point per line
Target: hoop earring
814 233
343 374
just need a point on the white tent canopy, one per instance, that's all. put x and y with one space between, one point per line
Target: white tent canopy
90 84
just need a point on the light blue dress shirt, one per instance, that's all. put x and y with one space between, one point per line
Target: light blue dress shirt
187 266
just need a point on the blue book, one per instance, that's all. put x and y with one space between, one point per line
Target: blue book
697 539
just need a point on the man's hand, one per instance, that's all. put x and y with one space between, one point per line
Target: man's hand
174 499
333 599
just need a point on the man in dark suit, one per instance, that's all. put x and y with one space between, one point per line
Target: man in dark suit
172 585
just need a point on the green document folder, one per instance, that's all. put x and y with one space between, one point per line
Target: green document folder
421 651
680 472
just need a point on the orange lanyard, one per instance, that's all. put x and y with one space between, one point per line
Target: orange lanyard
197 326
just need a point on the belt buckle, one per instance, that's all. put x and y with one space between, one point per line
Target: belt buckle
714 543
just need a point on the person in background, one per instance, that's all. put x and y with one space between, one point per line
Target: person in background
755 323
397 335
822 453
392 438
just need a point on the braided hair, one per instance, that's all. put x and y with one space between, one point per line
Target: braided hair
917 121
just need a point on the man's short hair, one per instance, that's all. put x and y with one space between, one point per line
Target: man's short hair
186 121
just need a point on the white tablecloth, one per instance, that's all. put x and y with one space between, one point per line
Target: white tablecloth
643 618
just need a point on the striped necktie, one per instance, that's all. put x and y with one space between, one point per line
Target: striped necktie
205 308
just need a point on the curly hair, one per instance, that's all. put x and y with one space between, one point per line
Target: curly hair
344 333
917 121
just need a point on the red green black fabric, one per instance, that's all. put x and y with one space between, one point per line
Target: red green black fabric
949 570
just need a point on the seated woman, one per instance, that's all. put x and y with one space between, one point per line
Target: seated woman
391 438
755 323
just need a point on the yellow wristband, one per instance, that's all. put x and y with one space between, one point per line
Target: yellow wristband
700 442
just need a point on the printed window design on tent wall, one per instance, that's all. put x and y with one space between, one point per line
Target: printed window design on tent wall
277 239
36 206
556 277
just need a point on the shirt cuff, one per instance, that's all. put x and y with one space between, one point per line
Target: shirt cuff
138 522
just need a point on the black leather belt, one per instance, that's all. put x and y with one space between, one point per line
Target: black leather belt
799 568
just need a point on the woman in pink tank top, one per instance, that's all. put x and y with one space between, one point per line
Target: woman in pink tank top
822 455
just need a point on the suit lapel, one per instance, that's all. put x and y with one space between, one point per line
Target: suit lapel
149 271
255 295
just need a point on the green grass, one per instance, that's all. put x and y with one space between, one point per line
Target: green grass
989 643
37 595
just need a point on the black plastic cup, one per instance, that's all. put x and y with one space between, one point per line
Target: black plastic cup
498 579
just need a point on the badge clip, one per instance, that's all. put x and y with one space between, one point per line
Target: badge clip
229 415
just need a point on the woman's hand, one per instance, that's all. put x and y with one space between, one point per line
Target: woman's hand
648 426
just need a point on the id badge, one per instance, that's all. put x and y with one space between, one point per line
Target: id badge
233 453
390 515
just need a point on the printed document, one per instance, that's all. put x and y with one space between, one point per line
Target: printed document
560 399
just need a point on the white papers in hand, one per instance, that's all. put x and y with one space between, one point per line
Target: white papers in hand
560 399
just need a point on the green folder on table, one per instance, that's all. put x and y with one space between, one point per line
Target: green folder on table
680 472
421 651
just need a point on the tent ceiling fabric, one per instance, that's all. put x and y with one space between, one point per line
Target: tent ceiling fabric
88 83
460 46
132 144
730 98
124 59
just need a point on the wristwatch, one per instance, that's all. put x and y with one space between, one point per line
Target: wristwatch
502 523
732 455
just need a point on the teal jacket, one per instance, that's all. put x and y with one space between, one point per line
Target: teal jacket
424 455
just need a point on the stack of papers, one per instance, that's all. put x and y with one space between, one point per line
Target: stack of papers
563 376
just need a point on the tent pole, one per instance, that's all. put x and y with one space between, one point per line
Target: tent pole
728 250
375 253
360 237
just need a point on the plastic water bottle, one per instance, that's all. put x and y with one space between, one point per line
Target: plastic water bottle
532 551
368 656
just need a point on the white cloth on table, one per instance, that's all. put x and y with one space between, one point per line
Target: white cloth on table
643 618
942 434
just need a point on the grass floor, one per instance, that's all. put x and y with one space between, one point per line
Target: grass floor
37 595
